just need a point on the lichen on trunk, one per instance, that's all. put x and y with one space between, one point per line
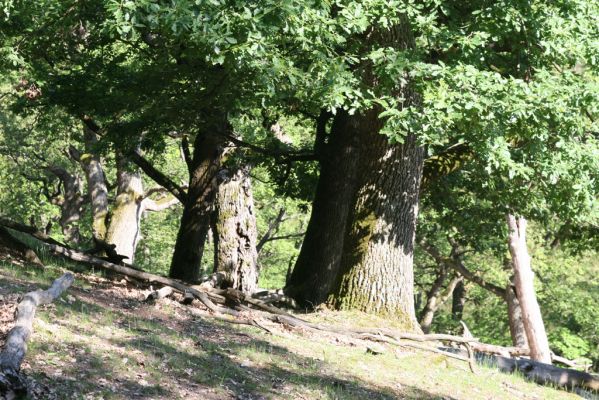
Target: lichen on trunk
96 184
235 235
125 217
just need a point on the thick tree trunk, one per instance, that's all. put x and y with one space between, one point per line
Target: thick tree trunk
195 221
377 263
317 266
235 234
523 281
458 300
96 184
514 313
125 217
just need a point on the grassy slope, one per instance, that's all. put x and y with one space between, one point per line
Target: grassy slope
100 342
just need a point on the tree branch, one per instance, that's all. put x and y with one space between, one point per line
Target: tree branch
457 265
158 176
272 227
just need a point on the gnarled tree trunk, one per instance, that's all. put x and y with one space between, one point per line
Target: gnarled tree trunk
125 216
317 266
235 233
523 282
428 312
195 221
96 183
70 204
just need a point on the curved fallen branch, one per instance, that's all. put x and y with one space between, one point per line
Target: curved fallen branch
13 353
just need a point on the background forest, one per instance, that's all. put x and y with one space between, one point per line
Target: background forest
351 155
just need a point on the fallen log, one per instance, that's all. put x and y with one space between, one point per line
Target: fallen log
511 352
12 383
27 229
159 294
218 295
542 373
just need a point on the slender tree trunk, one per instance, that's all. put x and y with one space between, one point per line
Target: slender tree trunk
125 217
458 300
195 221
235 231
426 317
96 184
317 266
523 282
514 312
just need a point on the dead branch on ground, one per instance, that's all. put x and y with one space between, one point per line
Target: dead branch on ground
12 383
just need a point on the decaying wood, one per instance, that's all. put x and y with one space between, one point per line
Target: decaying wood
209 297
275 297
13 353
542 373
235 307
160 294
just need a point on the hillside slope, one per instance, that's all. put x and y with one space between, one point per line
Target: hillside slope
101 341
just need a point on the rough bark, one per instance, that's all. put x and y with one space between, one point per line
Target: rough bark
70 205
236 257
458 300
517 331
377 262
317 266
195 221
125 217
523 282
96 183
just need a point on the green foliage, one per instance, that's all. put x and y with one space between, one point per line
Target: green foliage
515 82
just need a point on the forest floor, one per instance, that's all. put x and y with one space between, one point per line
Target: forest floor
101 340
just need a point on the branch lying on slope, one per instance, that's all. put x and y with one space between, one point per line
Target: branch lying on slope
11 382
